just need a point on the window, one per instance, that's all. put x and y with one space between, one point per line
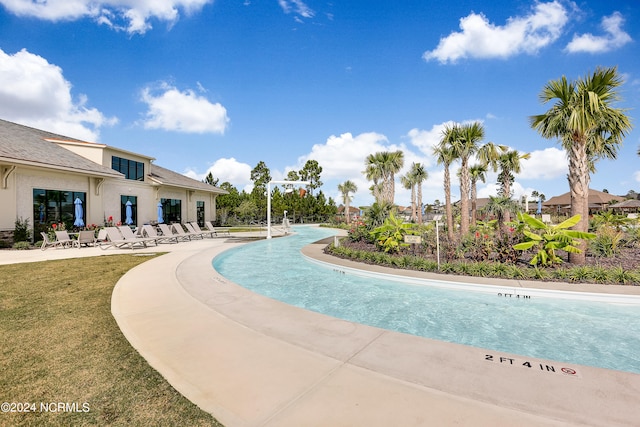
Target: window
130 168
200 213
133 200
171 210
55 206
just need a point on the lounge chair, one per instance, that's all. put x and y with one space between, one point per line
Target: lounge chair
193 232
197 228
128 234
217 230
46 242
86 237
150 231
115 239
177 229
166 232
64 240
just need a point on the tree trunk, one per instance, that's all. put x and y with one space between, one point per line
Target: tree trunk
464 198
447 203
474 203
419 203
579 188
413 203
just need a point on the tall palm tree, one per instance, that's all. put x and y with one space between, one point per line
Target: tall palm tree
420 175
477 172
346 188
509 164
408 183
445 156
464 140
382 166
373 172
589 128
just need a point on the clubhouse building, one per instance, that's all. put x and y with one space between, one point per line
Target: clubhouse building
43 175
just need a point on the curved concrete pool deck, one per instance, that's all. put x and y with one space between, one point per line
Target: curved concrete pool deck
253 361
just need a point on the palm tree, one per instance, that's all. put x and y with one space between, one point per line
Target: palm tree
501 207
374 173
464 140
445 156
509 164
382 166
420 175
477 172
345 189
409 184
588 127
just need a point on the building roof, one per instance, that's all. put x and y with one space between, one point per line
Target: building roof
29 146
164 176
596 198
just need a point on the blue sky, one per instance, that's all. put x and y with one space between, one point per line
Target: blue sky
220 85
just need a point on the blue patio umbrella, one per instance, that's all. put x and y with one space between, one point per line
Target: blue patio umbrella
128 220
160 219
79 222
539 207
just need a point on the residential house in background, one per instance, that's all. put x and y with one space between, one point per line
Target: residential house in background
42 174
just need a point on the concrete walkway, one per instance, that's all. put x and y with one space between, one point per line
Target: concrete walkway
253 361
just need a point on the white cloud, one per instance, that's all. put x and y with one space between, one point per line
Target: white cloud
481 39
426 140
296 6
230 170
173 110
615 37
636 175
547 164
132 16
35 93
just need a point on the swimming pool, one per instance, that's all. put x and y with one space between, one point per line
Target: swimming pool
589 333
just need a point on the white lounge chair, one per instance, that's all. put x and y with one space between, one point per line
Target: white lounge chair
199 230
150 231
86 237
127 234
192 231
177 229
64 240
46 242
166 232
115 239
217 230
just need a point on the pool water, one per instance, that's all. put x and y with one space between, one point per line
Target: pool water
588 333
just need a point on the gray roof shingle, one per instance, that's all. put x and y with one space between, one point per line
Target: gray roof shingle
169 177
23 144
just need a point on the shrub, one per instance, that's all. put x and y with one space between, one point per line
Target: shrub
606 243
21 245
21 232
549 238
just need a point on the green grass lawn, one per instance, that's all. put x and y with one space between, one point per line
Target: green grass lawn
60 343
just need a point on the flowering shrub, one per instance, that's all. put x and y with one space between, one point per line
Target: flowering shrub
358 232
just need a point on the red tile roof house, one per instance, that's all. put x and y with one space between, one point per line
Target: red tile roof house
42 174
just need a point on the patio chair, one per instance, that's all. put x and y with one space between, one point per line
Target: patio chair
64 240
197 229
128 234
192 231
86 237
166 232
177 229
46 242
150 231
116 240
217 230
